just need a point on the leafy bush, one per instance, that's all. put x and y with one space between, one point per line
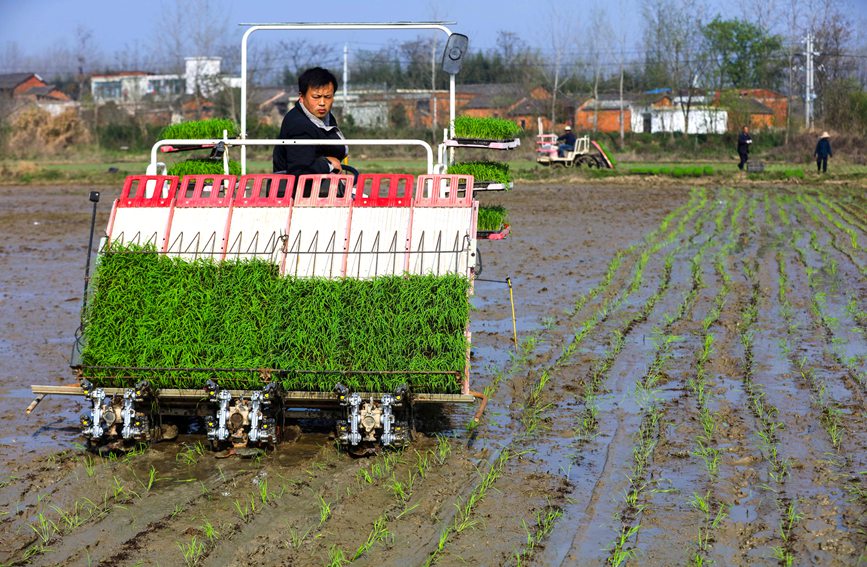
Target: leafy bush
153 311
493 171
199 129
474 128
197 166
492 218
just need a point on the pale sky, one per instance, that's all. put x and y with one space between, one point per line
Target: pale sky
36 27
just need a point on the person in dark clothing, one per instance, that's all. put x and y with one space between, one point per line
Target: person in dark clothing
744 141
822 153
311 118
568 139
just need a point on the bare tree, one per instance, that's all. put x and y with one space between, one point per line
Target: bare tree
673 47
597 34
561 32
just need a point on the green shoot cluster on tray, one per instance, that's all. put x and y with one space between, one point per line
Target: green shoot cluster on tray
492 171
492 218
152 311
469 127
195 166
199 129
674 171
607 153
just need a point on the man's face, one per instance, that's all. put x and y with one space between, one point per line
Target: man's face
318 100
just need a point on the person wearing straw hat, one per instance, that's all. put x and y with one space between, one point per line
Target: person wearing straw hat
822 153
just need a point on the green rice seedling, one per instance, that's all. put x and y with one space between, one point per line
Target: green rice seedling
324 510
71 519
443 449
492 218
44 528
243 315
192 552
336 557
422 463
619 552
243 511
89 465
152 479
469 127
296 538
210 531
264 496
483 171
378 533
199 166
199 129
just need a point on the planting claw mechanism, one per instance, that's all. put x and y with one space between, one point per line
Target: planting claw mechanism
135 423
92 424
217 430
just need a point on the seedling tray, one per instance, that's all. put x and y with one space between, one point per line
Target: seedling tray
493 234
479 143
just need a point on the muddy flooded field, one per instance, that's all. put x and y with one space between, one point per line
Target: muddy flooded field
688 389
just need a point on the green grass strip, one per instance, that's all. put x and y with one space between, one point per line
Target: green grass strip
153 311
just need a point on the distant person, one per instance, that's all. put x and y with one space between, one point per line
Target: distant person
568 139
823 152
311 118
744 141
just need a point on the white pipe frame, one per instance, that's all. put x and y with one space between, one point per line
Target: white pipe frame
332 27
299 142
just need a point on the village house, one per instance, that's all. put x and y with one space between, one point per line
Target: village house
23 89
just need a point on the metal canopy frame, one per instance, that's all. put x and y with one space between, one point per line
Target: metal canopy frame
331 26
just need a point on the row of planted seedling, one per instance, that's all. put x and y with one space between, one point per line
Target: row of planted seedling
708 503
768 424
153 311
595 380
398 474
828 272
647 435
534 407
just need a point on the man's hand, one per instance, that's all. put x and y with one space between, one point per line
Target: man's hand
335 164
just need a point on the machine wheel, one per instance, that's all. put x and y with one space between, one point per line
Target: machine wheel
589 161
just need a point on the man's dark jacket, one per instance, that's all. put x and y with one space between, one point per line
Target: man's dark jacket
568 138
743 143
299 160
823 148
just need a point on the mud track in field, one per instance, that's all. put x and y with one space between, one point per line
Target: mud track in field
677 347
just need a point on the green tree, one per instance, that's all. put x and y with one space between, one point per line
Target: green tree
742 55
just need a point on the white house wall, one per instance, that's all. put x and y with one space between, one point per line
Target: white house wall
701 120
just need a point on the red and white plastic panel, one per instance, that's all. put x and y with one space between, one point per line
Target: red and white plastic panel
201 217
379 231
443 230
259 217
142 213
319 226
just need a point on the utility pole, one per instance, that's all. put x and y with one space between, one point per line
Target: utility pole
809 95
345 80
433 89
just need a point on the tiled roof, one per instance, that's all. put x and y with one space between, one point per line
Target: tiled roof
9 81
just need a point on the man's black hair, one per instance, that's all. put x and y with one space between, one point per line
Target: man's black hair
316 77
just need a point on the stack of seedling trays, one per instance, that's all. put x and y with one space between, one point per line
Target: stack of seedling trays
178 323
214 128
491 134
